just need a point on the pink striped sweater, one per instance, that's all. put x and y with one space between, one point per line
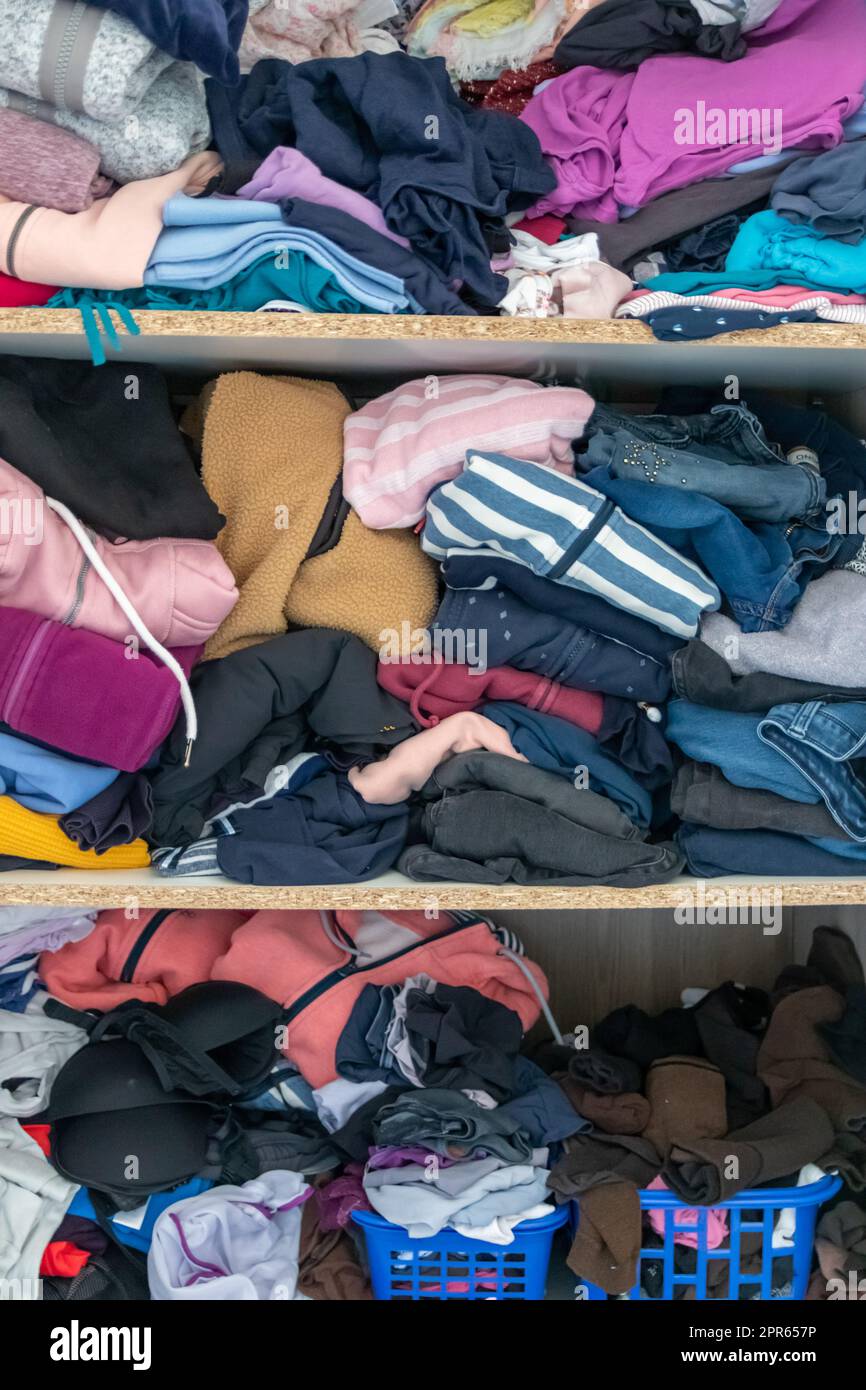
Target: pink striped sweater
402 445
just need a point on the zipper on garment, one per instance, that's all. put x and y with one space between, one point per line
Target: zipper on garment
37 641
64 57
350 968
79 593
143 939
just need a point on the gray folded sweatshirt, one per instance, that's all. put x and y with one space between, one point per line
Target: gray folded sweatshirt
823 641
76 57
170 124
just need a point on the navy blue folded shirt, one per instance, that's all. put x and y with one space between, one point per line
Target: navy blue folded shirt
205 32
710 853
392 127
545 595
325 833
420 280
498 629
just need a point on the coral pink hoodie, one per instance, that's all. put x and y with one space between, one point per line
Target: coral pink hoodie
314 964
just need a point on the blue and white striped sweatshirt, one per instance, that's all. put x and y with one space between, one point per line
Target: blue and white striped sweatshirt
565 531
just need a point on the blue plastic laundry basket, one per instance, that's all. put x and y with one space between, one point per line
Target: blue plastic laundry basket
752 1211
451 1266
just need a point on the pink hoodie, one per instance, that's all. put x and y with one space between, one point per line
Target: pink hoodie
181 588
314 964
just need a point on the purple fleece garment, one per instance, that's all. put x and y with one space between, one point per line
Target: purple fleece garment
610 137
391 1156
80 693
286 173
43 936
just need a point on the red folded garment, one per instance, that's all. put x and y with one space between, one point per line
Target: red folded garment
548 228
23 294
435 690
62 1258
81 693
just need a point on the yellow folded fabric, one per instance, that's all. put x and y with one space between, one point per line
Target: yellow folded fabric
30 835
272 456
491 18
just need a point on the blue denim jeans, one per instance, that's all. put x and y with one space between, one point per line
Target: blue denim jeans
826 744
841 455
760 568
728 432
722 454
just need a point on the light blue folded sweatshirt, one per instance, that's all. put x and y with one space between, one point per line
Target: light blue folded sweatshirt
204 245
43 780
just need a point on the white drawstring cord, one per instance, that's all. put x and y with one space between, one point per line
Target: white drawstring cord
334 939
545 1007
140 626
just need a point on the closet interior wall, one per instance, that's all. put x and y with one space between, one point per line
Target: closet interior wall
597 961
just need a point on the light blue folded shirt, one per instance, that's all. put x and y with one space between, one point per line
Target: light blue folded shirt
43 780
202 247
729 740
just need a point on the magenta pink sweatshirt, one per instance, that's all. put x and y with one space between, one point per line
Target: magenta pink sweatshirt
612 137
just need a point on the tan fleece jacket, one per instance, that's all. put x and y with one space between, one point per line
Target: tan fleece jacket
272 450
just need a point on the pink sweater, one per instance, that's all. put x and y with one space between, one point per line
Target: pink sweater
182 589
398 448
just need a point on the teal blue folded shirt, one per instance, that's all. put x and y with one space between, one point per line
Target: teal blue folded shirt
299 280
769 250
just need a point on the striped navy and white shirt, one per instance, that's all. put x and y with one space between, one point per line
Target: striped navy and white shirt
565 531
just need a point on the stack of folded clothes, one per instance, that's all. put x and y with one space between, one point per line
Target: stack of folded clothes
699 167
716 152
475 629
110 585
770 707
503 727
553 159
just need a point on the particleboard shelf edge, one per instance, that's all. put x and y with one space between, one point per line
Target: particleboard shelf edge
421 328
146 890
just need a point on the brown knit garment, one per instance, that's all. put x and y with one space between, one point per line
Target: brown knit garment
795 1061
625 1113
606 1243
687 1102
272 451
329 1270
